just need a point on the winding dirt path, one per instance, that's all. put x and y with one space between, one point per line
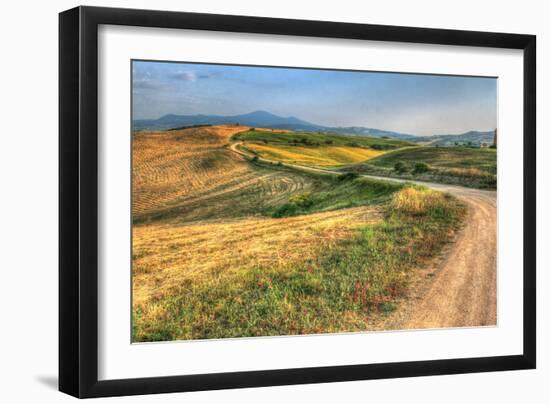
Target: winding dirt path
463 286
463 292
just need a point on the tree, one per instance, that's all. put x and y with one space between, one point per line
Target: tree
399 167
420 168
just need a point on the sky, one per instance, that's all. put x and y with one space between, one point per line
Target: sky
407 103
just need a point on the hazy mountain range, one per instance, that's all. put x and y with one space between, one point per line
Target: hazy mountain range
269 120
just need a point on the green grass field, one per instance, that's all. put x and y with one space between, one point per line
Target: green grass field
317 139
453 165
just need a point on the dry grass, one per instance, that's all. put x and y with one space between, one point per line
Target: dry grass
466 172
190 175
210 262
417 201
167 256
170 166
196 207
321 156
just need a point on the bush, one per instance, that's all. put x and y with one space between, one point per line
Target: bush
255 159
420 168
288 209
379 146
303 200
296 205
400 167
348 177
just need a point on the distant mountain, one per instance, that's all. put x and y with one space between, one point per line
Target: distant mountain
268 120
472 137
256 118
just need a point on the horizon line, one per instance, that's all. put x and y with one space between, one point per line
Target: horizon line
311 123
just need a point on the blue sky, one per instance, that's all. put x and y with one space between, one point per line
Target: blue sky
409 103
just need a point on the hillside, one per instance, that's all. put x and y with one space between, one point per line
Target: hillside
451 165
225 246
313 149
315 139
472 137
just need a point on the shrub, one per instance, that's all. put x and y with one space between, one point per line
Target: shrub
288 209
379 146
296 205
348 177
420 168
400 167
255 159
302 200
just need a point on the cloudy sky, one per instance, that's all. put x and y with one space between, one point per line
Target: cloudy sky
419 104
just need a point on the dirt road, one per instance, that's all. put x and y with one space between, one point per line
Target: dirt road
461 290
464 286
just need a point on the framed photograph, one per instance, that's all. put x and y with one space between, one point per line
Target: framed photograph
252 202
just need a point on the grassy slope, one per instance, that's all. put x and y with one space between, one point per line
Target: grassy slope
345 286
320 156
454 165
317 139
228 248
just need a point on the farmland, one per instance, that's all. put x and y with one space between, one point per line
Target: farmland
224 246
322 156
451 165
465 166
313 149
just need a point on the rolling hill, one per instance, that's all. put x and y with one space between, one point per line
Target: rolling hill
464 166
265 119
473 137
314 149
228 246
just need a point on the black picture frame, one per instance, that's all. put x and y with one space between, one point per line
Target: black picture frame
78 201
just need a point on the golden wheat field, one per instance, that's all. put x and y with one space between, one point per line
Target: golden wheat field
323 156
195 210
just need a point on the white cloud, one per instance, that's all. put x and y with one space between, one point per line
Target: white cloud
184 75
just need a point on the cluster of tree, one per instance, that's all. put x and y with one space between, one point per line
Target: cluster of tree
418 168
305 141
381 146
189 127
470 144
